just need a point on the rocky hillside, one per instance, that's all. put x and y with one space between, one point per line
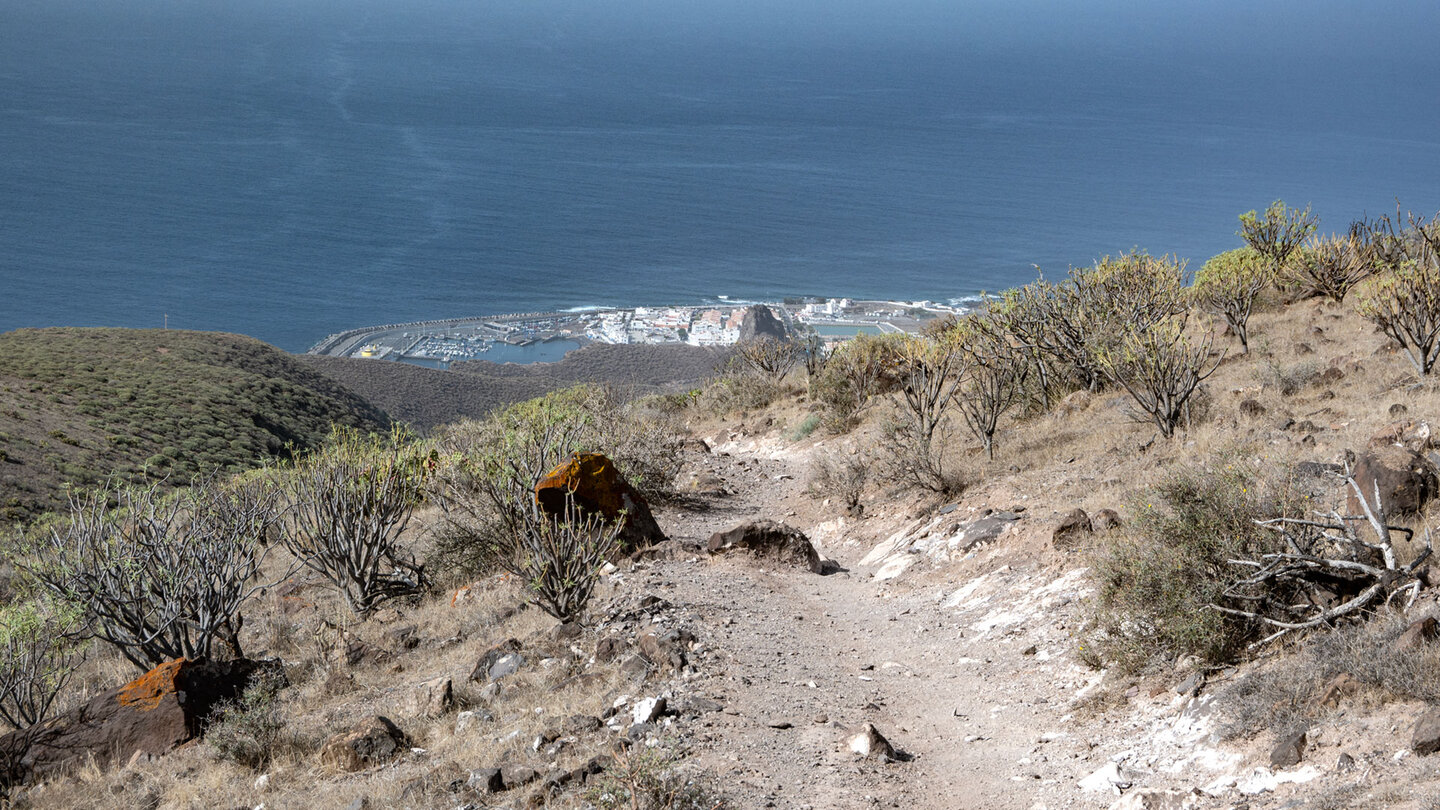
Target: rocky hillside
79 404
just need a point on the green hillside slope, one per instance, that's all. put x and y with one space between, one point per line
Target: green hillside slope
79 404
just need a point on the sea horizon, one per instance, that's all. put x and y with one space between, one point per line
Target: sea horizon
289 171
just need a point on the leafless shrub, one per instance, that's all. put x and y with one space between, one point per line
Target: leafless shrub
349 503
1288 379
558 557
930 370
160 576
840 475
997 373
768 356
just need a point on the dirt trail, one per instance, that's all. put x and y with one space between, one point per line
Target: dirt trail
800 660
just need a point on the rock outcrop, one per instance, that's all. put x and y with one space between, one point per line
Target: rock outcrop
759 322
153 715
372 742
598 487
771 540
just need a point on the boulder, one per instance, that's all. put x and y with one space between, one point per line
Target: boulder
152 715
1414 436
1251 408
1072 530
1405 479
766 538
597 487
609 648
372 742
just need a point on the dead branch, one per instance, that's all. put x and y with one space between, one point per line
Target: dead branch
1319 554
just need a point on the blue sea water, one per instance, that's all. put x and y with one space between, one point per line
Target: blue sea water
291 169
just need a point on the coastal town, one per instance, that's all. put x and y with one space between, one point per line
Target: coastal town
523 336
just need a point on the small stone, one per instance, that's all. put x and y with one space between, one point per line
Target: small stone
1344 763
647 710
515 776
1426 737
486 780
781 724
869 742
1031 650
821 719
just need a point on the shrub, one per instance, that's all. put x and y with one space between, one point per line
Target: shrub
1276 234
858 370
558 557
805 428
1229 284
1331 265
841 475
1404 302
769 357
1157 579
650 780
1283 696
488 463
37 660
251 730
930 371
349 503
160 576
997 375
739 390
1161 369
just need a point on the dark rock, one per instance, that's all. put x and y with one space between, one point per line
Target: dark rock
1192 684
1406 481
666 650
597 487
1344 763
492 656
585 682
766 538
582 724
694 706
1072 530
981 531
608 648
635 667
1419 634
516 776
486 780
1289 751
507 665
372 742
359 653
567 632
593 767
1330 376
1426 737
406 635
152 715
1251 408
1398 409
433 698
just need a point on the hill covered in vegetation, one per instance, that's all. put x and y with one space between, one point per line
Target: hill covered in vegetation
79 404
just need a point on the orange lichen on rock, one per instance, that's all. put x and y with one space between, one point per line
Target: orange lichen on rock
145 692
591 478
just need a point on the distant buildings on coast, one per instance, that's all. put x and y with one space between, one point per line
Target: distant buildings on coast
516 337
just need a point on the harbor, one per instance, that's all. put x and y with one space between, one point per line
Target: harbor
547 336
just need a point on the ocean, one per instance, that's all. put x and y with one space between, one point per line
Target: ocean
291 169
